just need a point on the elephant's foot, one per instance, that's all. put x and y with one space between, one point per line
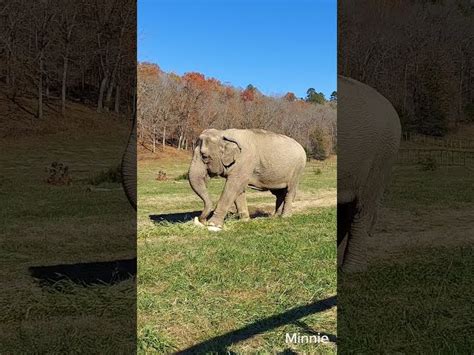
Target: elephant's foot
213 227
244 218
216 222
210 226
276 214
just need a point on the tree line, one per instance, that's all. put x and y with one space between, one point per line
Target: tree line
78 50
173 110
419 54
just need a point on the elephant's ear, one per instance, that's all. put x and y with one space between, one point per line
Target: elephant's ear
231 149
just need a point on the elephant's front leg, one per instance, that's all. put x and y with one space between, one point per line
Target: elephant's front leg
242 208
233 188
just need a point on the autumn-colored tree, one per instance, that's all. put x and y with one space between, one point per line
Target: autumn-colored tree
196 80
148 69
289 96
249 93
174 110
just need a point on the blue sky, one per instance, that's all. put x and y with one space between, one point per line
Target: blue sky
275 45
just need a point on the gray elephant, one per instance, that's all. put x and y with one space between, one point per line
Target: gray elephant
129 168
368 141
256 158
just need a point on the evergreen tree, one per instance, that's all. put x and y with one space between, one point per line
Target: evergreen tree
315 97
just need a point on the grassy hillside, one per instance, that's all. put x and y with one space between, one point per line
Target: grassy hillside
43 224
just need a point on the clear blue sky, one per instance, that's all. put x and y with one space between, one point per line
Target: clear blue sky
275 45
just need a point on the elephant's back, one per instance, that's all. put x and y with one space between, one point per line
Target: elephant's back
368 131
365 117
361 105
279 147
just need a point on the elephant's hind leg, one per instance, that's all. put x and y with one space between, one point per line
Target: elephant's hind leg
288 203
280 199
242 208
291 192
345 218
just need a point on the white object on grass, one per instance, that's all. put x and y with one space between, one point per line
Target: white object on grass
210 228
197 223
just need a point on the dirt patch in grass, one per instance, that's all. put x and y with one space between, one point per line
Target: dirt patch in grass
168 154
424 209
399 230
303 202
324 198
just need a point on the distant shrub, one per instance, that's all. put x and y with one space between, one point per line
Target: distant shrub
319 144
183 176
58 174
112 174
317 171
161 176
430 104
428 164
469 112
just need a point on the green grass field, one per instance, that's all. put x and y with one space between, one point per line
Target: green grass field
43 224
194 285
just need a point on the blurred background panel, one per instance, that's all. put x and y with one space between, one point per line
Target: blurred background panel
409 288
67 227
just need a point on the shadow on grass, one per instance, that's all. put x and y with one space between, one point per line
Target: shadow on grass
258 213
180 217
220 343
96 273
183 217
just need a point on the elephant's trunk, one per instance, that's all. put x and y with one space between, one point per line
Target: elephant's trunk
198 177
129 168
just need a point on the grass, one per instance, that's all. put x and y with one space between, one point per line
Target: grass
43 224
446 187
421 304
110 175
416 297
194 285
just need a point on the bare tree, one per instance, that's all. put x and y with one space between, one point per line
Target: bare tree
66 24
179 108
42 39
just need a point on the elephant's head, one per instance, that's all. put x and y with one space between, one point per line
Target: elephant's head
215 154
218 151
